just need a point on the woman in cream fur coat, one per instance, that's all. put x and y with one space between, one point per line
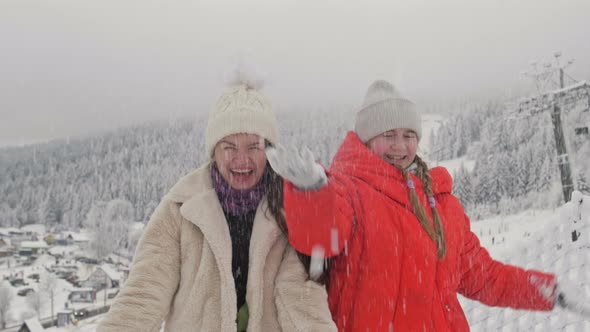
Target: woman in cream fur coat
215 254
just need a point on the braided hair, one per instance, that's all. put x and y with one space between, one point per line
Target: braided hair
436 233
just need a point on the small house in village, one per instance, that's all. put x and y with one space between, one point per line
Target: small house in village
37 230
104 276
34 247
72 238
17 236
82 295
31 325
6 248
65 317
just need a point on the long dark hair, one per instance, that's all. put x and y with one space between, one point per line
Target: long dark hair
275 196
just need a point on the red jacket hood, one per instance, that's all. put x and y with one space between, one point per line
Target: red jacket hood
355 159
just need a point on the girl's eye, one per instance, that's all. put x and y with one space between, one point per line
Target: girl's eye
229 148
254 148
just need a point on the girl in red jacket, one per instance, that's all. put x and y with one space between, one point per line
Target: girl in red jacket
399 243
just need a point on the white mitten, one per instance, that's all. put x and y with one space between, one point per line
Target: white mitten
298 168
571 299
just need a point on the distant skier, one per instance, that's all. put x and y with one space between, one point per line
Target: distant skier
399 243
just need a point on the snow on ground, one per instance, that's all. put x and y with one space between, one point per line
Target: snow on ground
85 325
534 240
65 251
531 239
20 309
501 234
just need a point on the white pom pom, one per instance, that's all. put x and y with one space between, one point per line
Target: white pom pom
245 74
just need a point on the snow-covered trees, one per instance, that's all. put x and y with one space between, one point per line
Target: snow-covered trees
6 296
515 159
48 287
110 224
453 138
58 183
35 301
463 187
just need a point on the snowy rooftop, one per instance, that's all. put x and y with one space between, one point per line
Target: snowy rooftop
34 244
82 289
34 325
38 229
5 231
111 272
77 237
62 250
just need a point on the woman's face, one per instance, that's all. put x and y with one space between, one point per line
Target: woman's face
240 159
397 146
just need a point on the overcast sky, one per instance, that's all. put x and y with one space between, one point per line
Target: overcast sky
72 67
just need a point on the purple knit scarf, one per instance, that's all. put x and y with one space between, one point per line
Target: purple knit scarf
234 201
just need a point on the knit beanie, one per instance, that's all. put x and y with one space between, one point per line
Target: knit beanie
385 109
241 109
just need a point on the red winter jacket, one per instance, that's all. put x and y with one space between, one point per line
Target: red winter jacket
385 274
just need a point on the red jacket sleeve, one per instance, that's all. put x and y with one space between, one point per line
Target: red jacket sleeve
319 218
497 284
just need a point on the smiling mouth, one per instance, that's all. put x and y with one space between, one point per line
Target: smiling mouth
241 172
396 158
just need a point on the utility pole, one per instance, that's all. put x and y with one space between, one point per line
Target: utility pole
542 78
562 156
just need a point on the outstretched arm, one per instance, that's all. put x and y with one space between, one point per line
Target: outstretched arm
497 284
318 208
145 298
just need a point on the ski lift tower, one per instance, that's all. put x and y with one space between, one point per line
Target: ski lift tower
554 101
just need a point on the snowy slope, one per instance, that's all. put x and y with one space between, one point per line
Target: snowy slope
537 240
529 239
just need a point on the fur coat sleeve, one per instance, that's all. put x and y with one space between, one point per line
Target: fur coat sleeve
143 303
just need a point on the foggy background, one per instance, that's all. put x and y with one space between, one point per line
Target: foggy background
71 68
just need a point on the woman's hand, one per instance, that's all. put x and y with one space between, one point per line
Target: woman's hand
297 167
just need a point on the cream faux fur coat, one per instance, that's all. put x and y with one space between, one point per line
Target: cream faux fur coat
182 272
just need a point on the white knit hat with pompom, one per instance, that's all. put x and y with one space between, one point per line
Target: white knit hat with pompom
383 109
242 108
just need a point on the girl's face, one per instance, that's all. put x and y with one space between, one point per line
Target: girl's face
240 159
397 146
